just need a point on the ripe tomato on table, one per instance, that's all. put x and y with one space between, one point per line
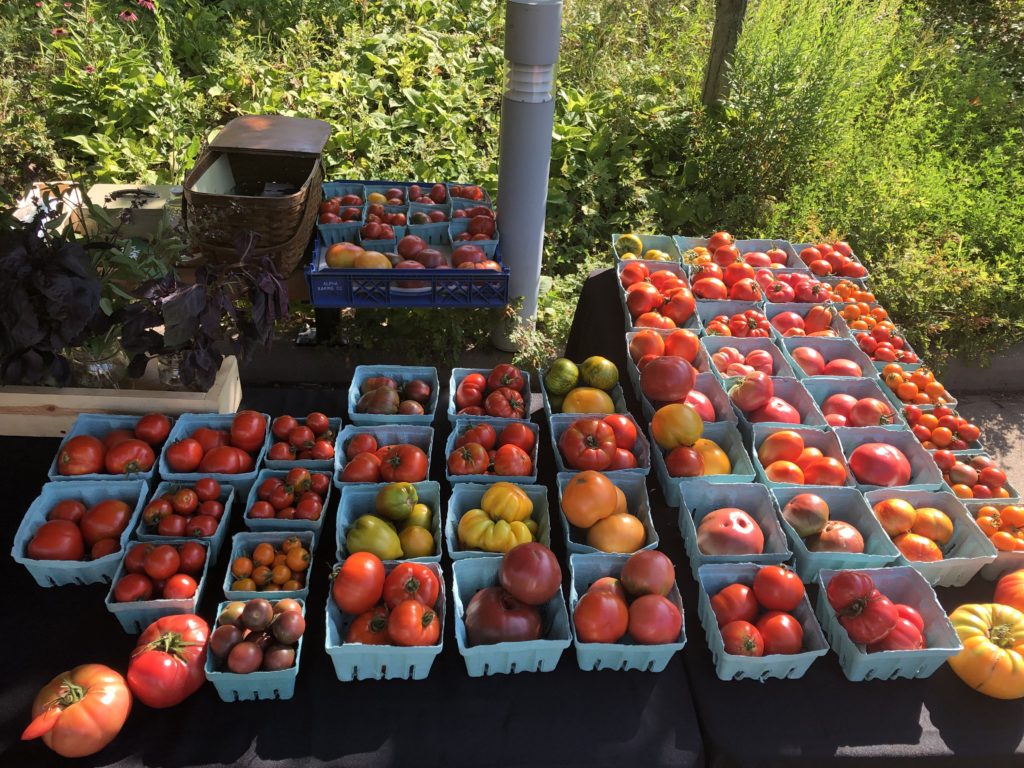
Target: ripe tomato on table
735 602
505 375
470 391
248 430
403 463
412 623
518 434
226 460
512 461
209 438
505 403
362 443
483 434
153 428
166 666
105 520
588 444
470 459
358 583
600 617
411 581
370 627
777 588
624 429
80 711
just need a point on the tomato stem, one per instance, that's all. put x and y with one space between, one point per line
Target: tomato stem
1001 635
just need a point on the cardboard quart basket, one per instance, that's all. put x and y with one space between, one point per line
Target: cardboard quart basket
794 393
637 503
356 661
458 374
243 544
553 403
273 524
56 573
823 387
728 438
361 500
780 363
560 424
188 423
924 474
464 423
261 685
782 666
706 384
392 434
1005 562
467 496
701 497
626 654
99 425
135 617
963 556
325 465
402 374
469 577
901 585
846 505
829 349
826 442
144 532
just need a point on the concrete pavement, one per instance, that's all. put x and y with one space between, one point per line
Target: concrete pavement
1001 419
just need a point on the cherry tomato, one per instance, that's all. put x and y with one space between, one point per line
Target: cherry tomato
180 586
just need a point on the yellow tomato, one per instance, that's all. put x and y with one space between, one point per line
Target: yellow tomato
716 461
676 425
992 661
588 400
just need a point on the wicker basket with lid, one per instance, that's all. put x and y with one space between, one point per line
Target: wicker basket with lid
262 173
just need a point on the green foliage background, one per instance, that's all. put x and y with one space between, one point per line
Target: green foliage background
895 124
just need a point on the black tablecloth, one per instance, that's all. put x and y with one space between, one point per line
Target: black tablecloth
562 718
822 717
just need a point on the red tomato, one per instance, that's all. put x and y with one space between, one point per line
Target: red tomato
301 438
735 603
81 455
116 437
130 457
411 581
505 403
404 463
248 430
866 614
361 443
56 540
167 665
512 461
530 573
207 489
911 615
172 525
200 526
622 459
135 558
905 636
600 617
282 426
778 588
505 375
358 583
209 439
184 455
781 632
411 623
648 572
185 501
67 509
470 459
880 464
318 422
318 483
588 444
470 391
825 471
364 468
153 428
180 586
105 520
162 562
133 587
192 555
370 627
482 434
654 620
518 434
624 429
742 639
226 460
104 547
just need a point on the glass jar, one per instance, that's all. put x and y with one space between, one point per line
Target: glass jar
168 367
102 369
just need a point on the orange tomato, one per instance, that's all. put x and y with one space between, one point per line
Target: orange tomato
617 533
1010 590
942 436
784 472
918 549
784 445
933 523
963 491
895 515
241 567
621 507
807 456
935 390
682 343
892 368
297 559
989 524
825 471
646 342
676 425
907 391
1004 541
1013 516
588 497
928 421
263 554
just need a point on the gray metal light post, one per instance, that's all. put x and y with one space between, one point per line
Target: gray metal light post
532 33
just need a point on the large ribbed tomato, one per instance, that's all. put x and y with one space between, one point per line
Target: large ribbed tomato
166 666
588 444
992 661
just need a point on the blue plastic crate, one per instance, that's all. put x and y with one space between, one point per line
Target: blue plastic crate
849 506
778 666
823 387
402 374
463 423
797 247
99 425
637 503
560 422
963 556
706 384
55 573
323 465
650 242
379 288
469 577
924 475
796 394
826 442
713 344
966 456
360 500
901 585
394 434
626 654
243 544
355 661
467 496
701 497
1005 562
615 393
187 424
227 498
773 309
728 438
273 524
261 685
135 617
458 374
830 349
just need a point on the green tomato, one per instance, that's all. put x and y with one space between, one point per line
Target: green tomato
562 376
395 501
599 372
371 534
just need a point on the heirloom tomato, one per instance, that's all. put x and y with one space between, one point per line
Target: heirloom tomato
105 520
530 572
992 660
370 627
411 581
1010 590
905 636
470 459
512 461
404 462
505 403
676 424
412 623
741 638
588 444
667 379
654 620
865 613
600 617
519 435
358 583
589 496
470 391
648 573
735 602
56 540
483 434
166 666
505 375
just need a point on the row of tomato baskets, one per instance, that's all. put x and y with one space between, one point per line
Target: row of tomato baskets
827 434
